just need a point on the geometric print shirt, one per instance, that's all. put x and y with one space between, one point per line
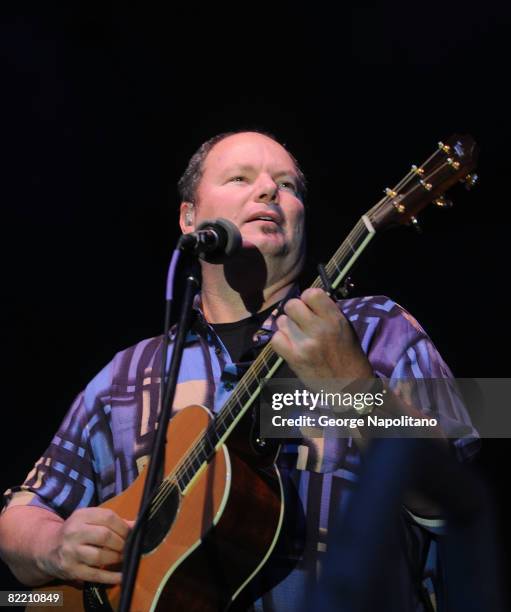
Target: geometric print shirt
105 438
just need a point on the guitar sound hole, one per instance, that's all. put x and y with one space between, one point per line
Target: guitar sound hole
163 514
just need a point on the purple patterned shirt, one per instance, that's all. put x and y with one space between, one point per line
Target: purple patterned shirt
105 438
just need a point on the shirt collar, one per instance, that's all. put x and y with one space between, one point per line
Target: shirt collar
201 326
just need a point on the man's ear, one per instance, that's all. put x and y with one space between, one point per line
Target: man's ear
187 217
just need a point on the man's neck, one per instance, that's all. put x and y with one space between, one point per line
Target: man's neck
221 303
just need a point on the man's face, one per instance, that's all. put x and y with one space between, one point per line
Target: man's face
251 180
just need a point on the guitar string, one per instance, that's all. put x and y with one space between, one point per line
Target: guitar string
166 485
413 173
253 372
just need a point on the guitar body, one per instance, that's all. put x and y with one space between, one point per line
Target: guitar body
209 541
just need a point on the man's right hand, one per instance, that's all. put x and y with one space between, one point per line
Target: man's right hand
39 545
88 541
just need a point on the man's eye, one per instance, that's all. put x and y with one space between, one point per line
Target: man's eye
238 179
288 185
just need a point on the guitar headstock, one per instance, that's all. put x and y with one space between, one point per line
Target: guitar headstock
452 162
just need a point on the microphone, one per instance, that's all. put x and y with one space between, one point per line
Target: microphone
212 240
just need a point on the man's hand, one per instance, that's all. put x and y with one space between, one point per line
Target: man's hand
89 540
317 341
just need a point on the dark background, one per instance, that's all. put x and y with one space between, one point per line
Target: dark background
102 105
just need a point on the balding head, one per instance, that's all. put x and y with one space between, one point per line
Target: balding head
189 182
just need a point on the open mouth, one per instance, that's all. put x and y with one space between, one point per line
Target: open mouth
266 218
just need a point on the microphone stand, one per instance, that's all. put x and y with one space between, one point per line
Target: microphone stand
133 549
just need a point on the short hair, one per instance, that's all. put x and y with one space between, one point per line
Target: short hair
189 181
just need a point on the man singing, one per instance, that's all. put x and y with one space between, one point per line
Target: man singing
51 527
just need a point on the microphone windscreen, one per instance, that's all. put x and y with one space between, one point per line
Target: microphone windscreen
229 239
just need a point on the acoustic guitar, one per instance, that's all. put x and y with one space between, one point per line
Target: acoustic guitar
216 517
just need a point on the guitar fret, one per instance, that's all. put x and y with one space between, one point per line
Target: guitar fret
197 462
223 426
244 385
183 479
180 482
203 450
332 267
201 453
265 364
350 245
209 443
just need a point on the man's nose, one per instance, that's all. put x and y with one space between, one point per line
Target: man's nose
267 191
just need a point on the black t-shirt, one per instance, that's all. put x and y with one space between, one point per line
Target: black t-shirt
238 340
238 336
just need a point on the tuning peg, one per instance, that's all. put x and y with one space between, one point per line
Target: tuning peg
470 181
442 202
415 224
452 162
390 192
